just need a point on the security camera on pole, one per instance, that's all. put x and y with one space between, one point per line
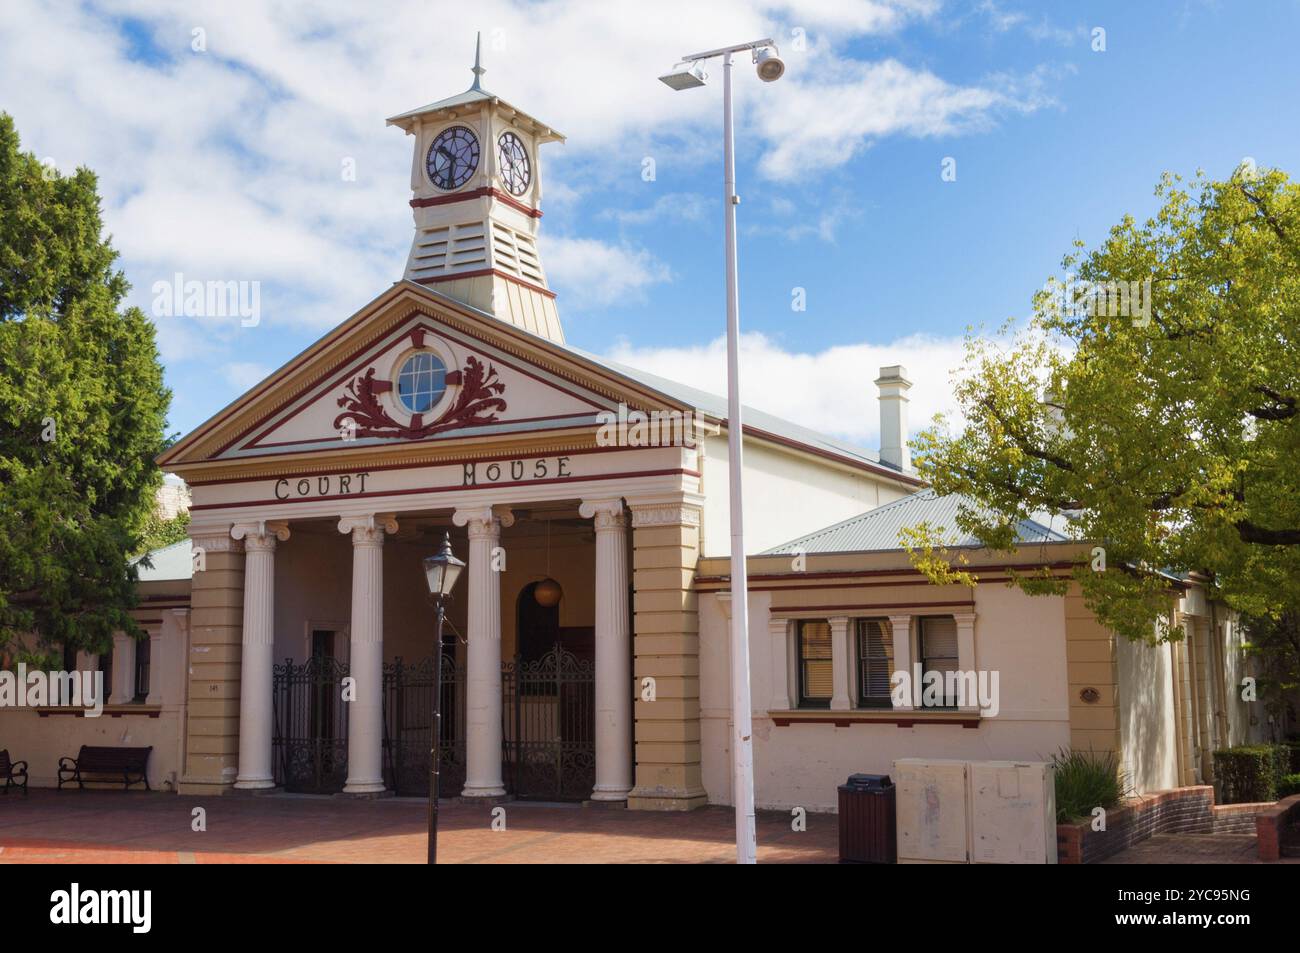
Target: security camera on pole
689 74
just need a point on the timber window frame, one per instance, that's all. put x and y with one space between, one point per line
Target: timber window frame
814 672
873 660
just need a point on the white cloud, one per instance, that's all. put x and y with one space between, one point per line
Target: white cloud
243 375
226 164
828 117
595 273
675 206
829 391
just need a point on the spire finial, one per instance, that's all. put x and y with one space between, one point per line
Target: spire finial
478 70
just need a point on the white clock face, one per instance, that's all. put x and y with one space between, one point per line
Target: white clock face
512 158
452 158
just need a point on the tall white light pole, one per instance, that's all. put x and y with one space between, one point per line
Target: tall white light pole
688 76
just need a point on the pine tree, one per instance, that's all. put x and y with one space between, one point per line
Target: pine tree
82 412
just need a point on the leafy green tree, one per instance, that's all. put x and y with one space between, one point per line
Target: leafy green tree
159 531
1152 399
82 411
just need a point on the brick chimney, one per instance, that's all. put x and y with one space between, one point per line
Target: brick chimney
893 386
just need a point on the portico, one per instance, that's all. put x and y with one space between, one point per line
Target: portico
291 573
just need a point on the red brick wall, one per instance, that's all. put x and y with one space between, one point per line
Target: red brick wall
1271 824
1189 810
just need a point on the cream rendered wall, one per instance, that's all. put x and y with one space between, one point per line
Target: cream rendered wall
1019 636
1147 717
786 496
1247 721
42 741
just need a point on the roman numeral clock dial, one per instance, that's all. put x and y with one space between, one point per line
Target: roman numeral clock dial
452 158
512 157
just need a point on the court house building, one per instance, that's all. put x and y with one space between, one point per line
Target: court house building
290 641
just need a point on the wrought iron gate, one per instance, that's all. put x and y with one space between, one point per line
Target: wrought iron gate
408 719
310 744
549 739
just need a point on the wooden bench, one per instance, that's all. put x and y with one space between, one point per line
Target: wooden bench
126 766
14 772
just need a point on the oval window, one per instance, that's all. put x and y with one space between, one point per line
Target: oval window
421 382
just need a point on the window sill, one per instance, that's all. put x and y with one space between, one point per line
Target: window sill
879 716
110 711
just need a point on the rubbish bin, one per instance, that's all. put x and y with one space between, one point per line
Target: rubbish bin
867 804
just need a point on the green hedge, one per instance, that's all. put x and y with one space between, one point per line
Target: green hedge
1294 746
1251 773
1289 785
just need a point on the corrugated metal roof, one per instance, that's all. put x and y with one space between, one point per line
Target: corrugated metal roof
878 529
169 563
716 406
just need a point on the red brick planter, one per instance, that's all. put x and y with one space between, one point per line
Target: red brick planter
1271 824
1189 810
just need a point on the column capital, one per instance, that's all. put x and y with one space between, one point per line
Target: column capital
839 623
900 620
778 625
484 521
964 618
260 535
368 529
608 513
182 617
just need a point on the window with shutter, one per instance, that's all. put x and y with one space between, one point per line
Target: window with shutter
815 675
875 662
939 651
142 667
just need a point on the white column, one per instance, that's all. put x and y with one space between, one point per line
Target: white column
255 685
483 653
966 652
366 655
155 666
840 664
902 625
779 630
613 653
123 688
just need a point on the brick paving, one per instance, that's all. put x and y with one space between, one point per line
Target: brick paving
139 827
1195 849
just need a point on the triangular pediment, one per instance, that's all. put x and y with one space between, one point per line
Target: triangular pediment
476 378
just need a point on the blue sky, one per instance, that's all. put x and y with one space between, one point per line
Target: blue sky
222 163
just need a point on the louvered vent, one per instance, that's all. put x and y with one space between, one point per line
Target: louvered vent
449 249
516 253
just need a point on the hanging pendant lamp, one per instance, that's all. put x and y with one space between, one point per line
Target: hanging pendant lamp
548 592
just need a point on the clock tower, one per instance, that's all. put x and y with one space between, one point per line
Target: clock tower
476 197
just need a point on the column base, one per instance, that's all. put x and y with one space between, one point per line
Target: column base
478 792
610 794
237 791
254 784
658 799
365 795
364 787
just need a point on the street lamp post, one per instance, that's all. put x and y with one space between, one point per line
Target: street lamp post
689 75
440 572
